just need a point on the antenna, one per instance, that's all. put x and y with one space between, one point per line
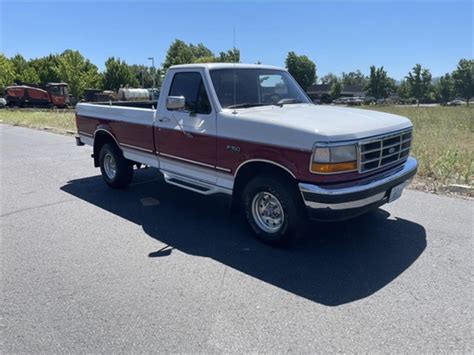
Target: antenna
233 78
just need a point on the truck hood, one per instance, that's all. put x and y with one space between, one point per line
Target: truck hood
327 123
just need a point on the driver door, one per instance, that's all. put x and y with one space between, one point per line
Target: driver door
186 139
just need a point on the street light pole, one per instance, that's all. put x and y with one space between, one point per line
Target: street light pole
153 69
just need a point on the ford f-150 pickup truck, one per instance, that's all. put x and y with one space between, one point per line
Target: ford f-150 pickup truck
251 132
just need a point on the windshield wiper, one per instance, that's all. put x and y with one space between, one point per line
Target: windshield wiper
288 101
248 104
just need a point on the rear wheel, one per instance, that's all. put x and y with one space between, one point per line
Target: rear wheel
116 170
272 209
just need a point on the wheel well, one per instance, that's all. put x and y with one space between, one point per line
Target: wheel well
101 138
252 169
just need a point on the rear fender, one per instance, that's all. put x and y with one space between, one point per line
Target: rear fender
102 135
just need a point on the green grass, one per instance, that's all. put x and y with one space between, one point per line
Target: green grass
443 139
443 143
59 121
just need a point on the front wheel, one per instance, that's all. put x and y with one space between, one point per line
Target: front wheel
116 170
272 209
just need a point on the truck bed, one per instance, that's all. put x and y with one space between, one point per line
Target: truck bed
129 123
137 112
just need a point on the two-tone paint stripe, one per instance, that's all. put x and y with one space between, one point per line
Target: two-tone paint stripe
136 148
82 133
194 162
146 150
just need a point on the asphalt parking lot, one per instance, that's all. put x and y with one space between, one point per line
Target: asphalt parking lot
154 268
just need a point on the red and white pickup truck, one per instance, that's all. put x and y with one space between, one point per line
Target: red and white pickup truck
251 132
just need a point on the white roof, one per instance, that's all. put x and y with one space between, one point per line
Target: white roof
225 66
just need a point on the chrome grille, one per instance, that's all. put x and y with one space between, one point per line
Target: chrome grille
384 150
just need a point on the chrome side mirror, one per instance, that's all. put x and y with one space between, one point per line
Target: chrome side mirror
174 103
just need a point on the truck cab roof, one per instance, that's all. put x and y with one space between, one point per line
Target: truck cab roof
225 66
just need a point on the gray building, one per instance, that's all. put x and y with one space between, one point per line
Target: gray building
323 92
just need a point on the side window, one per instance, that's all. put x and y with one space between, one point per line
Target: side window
191 86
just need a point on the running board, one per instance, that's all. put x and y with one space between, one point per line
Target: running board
198 186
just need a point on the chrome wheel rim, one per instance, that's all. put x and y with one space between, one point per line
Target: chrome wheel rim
267 212
110 166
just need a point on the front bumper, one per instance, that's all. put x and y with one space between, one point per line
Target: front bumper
347 200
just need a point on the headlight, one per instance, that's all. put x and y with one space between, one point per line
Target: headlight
336 159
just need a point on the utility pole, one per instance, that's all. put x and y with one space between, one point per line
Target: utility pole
153 69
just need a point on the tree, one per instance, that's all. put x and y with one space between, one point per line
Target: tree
210 59
200 51
146 73
444 88
118 74
379 84
329 79
419 82
336 88
46 68
7 72
24 73
181 53
403 90
79 73
91 77
231 56
464 79
178 53
302 69
354 78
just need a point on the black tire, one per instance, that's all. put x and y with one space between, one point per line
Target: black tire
123 167
285 192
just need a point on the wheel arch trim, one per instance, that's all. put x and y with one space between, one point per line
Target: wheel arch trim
263 161
98 130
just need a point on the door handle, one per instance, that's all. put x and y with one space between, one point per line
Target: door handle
164 119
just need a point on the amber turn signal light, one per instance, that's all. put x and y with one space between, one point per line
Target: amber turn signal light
328 168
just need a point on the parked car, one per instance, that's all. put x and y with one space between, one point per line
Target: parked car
369 100
355 101
456 102
340 101
393 100
251 132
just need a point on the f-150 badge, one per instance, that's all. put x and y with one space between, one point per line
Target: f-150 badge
233 148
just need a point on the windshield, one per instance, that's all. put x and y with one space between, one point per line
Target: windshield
55 90
58 90
256 87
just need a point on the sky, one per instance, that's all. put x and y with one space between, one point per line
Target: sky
338 36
